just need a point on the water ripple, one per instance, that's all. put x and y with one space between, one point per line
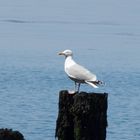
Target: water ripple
105 23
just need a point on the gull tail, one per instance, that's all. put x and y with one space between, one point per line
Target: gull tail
91 83
95 83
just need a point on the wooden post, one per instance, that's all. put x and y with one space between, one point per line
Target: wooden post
82 116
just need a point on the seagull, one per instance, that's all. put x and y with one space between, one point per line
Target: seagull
78 73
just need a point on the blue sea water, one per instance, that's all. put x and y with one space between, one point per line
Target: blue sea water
105 38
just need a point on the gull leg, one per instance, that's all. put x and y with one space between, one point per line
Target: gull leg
78 87
75 86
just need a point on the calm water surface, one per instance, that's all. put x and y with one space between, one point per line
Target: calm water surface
105 37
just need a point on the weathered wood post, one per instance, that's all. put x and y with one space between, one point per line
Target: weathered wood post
82 116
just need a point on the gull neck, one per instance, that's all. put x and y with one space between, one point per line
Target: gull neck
69 61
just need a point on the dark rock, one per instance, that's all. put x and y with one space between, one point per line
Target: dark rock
9 134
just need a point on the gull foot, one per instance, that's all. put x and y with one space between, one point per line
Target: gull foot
71 92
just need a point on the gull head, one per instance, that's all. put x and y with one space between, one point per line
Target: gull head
66 53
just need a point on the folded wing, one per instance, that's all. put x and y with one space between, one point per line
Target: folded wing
78 72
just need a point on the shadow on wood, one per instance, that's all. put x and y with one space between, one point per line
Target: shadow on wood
82 116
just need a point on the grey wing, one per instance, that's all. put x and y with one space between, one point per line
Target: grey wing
81 73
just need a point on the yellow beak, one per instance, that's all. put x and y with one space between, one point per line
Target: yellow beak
60 53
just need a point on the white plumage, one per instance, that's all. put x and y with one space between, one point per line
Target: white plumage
78 73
